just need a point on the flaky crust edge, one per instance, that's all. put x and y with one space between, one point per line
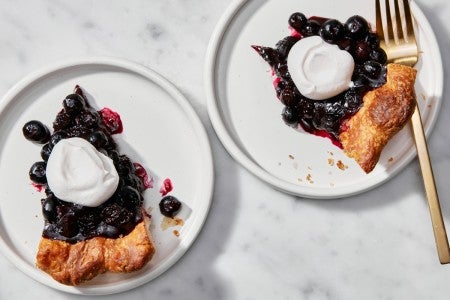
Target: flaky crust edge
385 111
73 264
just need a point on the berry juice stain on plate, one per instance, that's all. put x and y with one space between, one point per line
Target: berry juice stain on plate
166 187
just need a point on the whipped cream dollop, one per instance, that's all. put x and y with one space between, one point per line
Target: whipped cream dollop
320 70
78 173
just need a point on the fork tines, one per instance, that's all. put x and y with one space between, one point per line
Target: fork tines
399 23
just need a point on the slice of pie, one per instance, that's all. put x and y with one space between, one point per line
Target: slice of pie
94 216
333 81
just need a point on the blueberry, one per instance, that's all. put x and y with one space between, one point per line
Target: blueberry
378 55
290 115
288 97
57 136
372 69
37 172
129 197
68 226
124 166
282 71
310 28
62 121
356 27
330 122
35 131
361 52
297 20
73 104
331 31
88 221
116 215
88 118
98 139
373 40
352 100
49 208
285 45
306 109
46 150
169 206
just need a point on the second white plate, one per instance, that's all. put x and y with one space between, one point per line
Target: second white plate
246 114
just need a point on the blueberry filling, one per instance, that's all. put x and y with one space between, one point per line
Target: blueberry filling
327 117
72 222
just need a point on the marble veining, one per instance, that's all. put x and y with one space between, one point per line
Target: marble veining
257 243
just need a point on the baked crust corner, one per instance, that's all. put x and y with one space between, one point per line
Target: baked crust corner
73 264
385 111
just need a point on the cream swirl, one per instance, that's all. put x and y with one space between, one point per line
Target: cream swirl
78 173
318 69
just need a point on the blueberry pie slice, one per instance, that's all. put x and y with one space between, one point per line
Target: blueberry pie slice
333 81
94 219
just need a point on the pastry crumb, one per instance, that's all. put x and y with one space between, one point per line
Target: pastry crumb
176 233
341 165
291 156
331 161
391 159
171 222
309 178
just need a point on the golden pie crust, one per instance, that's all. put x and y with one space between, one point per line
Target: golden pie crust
385 111
73 264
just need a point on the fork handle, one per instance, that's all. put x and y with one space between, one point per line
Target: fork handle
437 221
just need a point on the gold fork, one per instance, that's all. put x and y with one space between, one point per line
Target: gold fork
398 40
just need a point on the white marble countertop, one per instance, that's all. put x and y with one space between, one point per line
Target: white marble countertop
257 243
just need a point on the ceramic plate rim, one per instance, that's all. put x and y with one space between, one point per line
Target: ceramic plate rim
242 158
207 169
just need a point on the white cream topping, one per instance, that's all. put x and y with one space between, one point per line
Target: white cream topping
76 172
320 70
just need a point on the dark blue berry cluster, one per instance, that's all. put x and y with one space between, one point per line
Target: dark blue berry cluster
72 222
370 70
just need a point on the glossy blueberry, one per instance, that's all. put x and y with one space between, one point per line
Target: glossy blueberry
290 115
35 131
310 28
98 139
73 104
46 150
37 172
57 136
332 31
169 206
356 27
297 20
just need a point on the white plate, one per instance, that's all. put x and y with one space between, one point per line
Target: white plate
161 131
246 114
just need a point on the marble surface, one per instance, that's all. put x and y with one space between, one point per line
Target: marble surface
257 243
